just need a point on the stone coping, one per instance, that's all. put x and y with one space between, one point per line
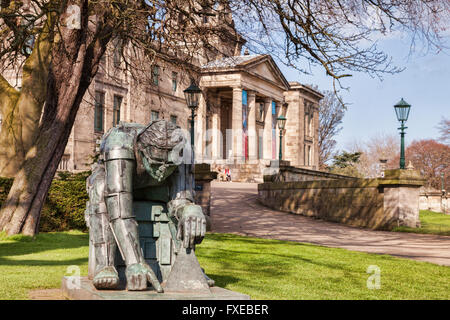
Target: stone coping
202 172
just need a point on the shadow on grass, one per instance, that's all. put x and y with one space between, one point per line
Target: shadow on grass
37 263
20 245
223 280
259 257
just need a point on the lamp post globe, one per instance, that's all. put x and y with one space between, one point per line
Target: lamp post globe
402 109
281 120
192 96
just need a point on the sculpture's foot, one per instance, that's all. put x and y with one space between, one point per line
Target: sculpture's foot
106 278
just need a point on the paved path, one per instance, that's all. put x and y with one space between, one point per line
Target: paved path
235 209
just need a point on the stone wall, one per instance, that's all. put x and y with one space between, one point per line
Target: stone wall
370 203
282 172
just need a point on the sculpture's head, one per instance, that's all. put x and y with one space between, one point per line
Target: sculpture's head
159 146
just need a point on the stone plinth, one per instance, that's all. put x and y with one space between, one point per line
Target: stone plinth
203 178
401 190
87 291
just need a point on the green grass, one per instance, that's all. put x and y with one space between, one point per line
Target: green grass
271 269
431 223
264 269
27 264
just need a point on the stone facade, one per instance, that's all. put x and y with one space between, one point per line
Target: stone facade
222 136
235 126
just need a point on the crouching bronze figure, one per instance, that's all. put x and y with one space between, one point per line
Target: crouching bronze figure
141 201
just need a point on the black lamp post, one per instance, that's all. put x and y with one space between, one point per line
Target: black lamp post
402 111
192 95
281 120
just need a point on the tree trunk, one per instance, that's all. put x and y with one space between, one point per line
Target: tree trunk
74 64
21 110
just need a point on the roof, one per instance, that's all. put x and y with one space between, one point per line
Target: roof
228 62
294 85
245 63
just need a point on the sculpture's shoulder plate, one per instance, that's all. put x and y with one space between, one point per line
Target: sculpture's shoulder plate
118 142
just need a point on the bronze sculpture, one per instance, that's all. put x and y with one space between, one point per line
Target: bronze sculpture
139 165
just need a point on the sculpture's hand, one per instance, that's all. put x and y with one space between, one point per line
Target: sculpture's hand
191 225
137 276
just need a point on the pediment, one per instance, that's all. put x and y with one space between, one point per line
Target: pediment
267 69
261 66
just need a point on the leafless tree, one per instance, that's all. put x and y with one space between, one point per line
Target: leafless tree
444 129
379 147
331 113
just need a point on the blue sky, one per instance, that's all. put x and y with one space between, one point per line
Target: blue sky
425 84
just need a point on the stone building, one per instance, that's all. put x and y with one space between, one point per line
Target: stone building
235 125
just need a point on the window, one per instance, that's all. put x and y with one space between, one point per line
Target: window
261 112
309 156
99 110
307 151
116 110
174 81
173 119
155 75
117 57
309 116
305 157
154 115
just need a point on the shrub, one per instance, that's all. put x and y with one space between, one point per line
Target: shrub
65 204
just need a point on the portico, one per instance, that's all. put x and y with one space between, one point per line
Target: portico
242 96
236 125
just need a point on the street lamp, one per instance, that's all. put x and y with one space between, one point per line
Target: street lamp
402 111
192 96
442 184
281 120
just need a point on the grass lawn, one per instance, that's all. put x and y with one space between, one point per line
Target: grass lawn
27 264
264 269
431 222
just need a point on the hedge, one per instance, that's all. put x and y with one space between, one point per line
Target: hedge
65 204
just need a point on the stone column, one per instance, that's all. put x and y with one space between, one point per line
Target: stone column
267 136
252 136
217 140
236 125
199 129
